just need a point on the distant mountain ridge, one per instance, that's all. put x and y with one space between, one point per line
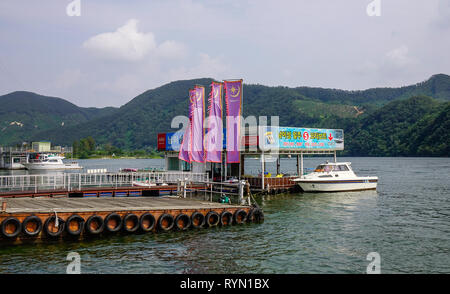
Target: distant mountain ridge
25 114
136 124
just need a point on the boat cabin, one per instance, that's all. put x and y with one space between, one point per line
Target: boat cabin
333 167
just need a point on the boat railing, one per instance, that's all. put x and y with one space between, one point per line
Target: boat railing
78 181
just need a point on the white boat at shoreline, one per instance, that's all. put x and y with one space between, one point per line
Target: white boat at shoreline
335 177
146 183
43 161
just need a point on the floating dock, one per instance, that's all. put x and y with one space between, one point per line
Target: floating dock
25 220
35 208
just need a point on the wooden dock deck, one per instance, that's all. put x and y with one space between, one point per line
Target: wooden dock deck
66 205
36 219
123 191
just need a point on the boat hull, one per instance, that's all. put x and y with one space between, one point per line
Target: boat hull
337 185
37 166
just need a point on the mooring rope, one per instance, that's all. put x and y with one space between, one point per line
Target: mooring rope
56 218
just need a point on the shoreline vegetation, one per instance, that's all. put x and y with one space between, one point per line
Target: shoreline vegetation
86 148
119 157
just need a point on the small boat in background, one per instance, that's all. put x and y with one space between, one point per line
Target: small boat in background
43 161
335 177
128 170
143 184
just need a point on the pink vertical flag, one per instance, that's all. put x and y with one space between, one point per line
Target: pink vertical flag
214 136
197 130
186 143
233 99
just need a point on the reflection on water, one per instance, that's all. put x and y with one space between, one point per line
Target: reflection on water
406 221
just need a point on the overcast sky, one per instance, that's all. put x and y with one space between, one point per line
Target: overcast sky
116 50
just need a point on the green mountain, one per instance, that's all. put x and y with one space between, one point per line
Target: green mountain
376 121
438 86
25 114
415 126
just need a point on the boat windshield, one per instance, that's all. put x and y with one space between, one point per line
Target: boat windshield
340 167
323 168
327 168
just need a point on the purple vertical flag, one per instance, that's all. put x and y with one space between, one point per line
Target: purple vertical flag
197 130
185 153
214 136
233 98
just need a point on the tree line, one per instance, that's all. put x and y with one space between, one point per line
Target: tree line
86 148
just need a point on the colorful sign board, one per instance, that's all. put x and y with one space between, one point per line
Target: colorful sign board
287 138
283 138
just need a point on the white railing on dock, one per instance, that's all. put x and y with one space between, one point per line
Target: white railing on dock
77 181
212 191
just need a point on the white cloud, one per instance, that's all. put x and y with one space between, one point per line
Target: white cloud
399 56
126 43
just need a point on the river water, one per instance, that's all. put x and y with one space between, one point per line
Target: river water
406 221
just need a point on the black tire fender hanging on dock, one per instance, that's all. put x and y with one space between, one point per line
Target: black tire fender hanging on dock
166 222
226 218
49 227
182 222
76 220
258 216
197 219
116 220
8 224
94 225
147 222
240 216
212 218
32 226
131 223
251 214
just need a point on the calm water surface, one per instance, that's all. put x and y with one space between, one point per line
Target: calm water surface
407 221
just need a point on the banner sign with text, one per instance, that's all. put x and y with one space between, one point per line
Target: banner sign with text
287 138
197 130
183 140
214 134
233 99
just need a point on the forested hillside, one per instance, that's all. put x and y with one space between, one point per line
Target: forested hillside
410 120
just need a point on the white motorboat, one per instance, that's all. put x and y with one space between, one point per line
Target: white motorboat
143 184
42 161
335 177
146 183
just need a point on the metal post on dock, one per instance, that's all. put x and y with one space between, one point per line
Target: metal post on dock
262 170
278 164
211 195
226 167
335 159
241 192
301 164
